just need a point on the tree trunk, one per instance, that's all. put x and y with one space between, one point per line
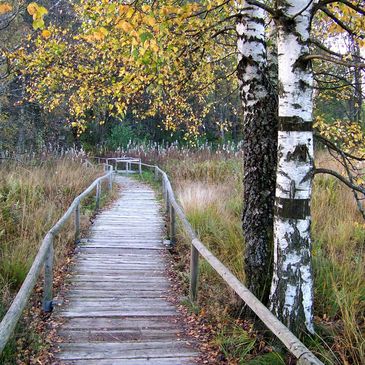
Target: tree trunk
20 145
291 296
259 102
357 84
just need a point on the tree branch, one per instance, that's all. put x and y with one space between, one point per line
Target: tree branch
333 60
331 145
339 177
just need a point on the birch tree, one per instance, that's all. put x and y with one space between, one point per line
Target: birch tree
291 294
260 136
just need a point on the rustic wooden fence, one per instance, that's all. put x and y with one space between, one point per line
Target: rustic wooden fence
173 210
44 260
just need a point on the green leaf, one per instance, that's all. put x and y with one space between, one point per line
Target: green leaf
145 36
135 53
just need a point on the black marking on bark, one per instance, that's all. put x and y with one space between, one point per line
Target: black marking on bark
300 153
283 173
253 39
292 208
257 20
292 190
294 124
303 85
280 88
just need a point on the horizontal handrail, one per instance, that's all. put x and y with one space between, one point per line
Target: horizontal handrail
289 340
44 258
127 161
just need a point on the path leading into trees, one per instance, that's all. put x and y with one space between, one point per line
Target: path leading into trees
115 310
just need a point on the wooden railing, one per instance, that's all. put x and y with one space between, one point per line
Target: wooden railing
173 210
44 259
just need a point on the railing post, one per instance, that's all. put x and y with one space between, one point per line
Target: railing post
110 181
97 196
172 225
127 167
163 188
140 167
48 279
77 223
167 200
194 271
156 173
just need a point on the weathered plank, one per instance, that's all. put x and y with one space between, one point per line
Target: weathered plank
118 323
125 350
115 309
122 361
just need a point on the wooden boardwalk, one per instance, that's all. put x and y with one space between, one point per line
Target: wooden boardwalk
115 310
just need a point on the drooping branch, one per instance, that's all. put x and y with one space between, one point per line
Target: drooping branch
339 177
333 146
321 46
339 22
323 3
333 60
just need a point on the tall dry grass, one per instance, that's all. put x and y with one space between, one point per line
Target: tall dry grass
210 191
33 197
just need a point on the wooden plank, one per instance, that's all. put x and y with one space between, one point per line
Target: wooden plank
119 271
122 305
118 323
120 286
110 278
119 302
125 350
140 361
118 335
119 313
95 293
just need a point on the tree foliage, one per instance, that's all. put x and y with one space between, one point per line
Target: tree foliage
161 53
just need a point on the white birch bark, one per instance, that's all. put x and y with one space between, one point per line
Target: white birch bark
291 294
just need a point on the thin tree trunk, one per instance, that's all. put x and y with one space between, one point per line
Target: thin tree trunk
260 137
20 145
291 296
358 84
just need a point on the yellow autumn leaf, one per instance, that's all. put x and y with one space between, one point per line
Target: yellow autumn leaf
5 8
32 8
46 33
125 26
150 21
123 9
130 12
154 46
103 31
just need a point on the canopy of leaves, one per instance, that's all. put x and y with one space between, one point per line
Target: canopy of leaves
165 54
